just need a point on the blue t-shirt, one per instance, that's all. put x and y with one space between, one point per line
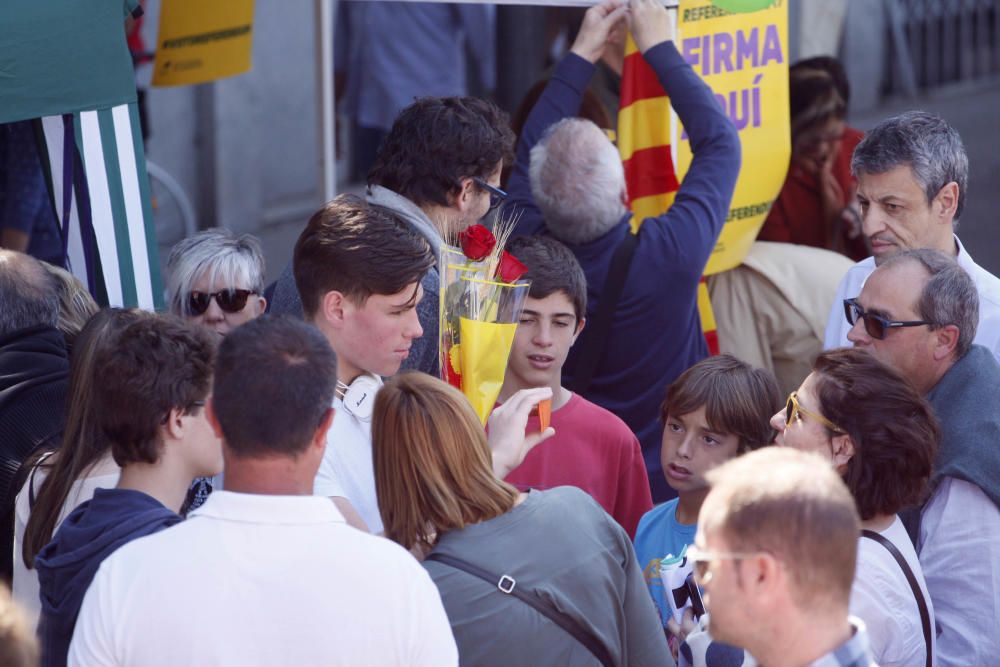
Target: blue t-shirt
660 534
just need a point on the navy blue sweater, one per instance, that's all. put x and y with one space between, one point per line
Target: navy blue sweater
657 331
67 564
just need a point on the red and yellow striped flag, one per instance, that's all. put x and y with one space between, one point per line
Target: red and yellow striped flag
644 146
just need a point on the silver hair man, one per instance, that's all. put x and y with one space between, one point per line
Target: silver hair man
948 298
926 143
28 294
577 181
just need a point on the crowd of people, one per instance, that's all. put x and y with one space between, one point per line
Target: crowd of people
276 475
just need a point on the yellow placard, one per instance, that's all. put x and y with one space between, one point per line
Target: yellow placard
484 351
744 58
202 41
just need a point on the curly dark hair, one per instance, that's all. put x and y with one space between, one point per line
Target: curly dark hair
894 429
436 142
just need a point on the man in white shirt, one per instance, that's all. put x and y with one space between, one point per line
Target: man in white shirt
918 313
264 573
912 174
358 269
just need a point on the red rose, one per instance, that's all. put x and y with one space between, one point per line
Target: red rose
510 268
477 242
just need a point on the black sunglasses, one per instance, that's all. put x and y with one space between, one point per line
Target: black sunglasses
876 325
496 194
229 300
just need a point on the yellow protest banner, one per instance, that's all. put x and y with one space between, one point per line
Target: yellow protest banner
744 58
202 41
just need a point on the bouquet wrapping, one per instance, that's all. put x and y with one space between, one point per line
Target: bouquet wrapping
482 299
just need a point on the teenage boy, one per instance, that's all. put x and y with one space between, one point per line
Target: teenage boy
149 396
358 269
713 412
593 449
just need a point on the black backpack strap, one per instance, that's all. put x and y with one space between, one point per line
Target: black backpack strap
508 585
599 327
925 616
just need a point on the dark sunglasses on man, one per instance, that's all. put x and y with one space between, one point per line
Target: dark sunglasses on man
876 325
229 300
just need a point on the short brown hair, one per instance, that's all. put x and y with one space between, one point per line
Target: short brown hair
433 466
552 268
158 364
738 398
792 505
359 250
894 429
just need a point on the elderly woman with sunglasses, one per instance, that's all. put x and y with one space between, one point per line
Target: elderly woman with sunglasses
216 278
881 436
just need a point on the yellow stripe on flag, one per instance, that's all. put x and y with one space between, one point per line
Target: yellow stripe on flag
643 124
650 207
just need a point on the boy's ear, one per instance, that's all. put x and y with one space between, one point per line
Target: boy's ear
331 308
580 323
174 424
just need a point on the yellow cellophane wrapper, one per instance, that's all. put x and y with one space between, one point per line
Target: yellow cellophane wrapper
484 351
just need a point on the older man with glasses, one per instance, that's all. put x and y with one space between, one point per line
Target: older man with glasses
775 553
918 312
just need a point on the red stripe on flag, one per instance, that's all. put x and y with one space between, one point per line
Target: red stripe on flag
650 171
639 81
712 338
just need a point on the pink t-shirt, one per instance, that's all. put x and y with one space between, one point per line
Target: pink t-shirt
592 450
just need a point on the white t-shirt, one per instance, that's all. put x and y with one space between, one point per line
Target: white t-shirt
959 550
347 469
104 475
883 599
988 286
262 580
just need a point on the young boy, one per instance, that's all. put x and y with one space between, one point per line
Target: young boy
149 396
592 448
716 410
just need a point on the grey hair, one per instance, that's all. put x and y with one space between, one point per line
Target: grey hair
577 180
237 260
28 294
949 297
76 305
926 143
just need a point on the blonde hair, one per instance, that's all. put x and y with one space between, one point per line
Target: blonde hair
794 506
18 645
433 466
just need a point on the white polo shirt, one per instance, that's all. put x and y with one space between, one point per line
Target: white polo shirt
262 580
988 286
347 469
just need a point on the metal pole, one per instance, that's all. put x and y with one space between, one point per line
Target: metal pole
325 109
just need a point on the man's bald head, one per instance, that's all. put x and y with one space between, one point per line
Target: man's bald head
28 294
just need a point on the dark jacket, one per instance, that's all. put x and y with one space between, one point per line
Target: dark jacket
34 373
67 564
656 333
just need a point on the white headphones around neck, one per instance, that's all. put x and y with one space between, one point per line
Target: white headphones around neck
359 396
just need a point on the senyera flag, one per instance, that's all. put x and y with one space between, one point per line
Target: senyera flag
644 133
67 66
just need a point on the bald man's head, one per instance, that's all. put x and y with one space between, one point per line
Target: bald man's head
28 294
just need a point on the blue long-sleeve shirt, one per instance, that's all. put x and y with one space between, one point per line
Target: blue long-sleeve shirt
656 333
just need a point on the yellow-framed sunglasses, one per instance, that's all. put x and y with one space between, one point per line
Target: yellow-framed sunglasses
793 410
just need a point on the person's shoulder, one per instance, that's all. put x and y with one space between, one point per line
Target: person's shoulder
657 518
601 422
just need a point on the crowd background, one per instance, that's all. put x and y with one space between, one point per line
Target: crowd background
213 141
850 444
